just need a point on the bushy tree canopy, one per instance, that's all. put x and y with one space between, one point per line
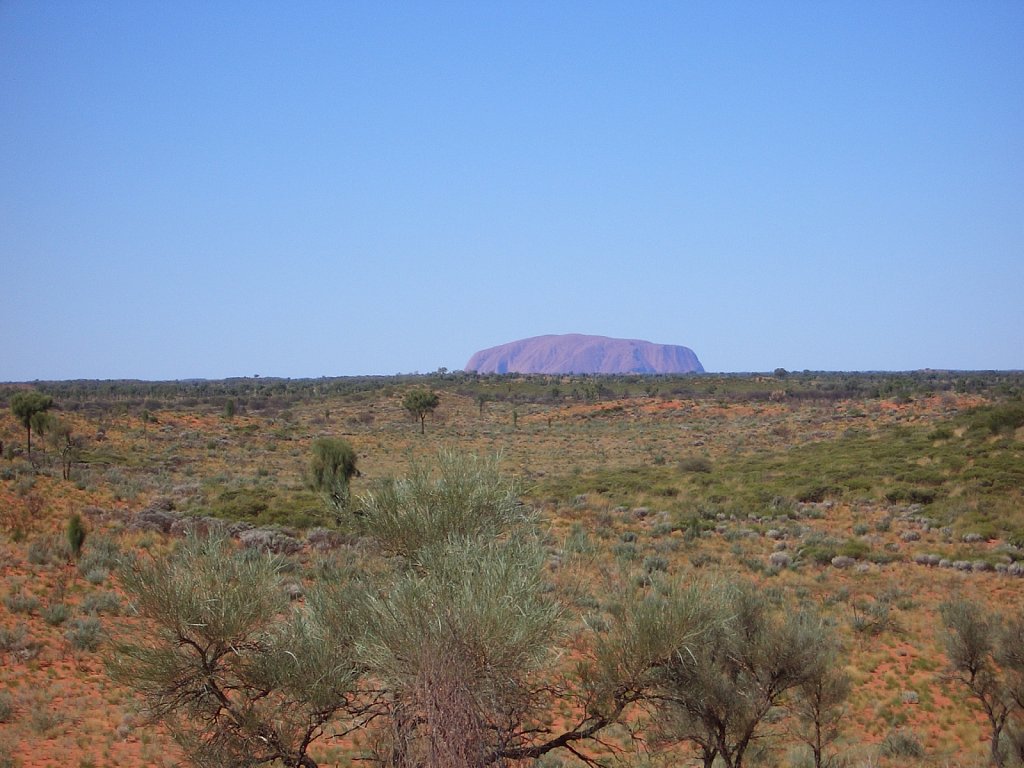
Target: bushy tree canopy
29 407
332 467
420 403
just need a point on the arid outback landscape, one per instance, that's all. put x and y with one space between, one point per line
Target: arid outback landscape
870 499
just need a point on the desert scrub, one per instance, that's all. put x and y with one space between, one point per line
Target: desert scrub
56 614
40 552
44 721
101 603
97 575
901 743
85 634
103 552
7 758
18 601
6 707
654 563
19 643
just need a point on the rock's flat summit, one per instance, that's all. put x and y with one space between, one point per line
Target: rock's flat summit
579 353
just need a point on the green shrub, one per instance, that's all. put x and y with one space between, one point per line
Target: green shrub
97 575
40 552
18 642
815 494
858 549
625 550
7 758
695 464
911 495
20 602
103 552
654 563
56 614
102 603
76 534
901 743
6 707
998 419
820 552
85 634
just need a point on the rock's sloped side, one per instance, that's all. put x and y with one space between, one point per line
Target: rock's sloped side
578 353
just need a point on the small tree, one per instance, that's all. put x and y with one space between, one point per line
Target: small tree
717 694
420 403
61 438
29 408
457 642
238 676
972 637
819 705
332 467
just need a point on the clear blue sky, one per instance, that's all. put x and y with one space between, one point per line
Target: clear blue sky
216 189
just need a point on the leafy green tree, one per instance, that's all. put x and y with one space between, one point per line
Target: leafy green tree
239 676
420 403
972 638
29 408
332 467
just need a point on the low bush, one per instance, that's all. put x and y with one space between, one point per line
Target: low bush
101 603
56 614
20 602
85 634
901 743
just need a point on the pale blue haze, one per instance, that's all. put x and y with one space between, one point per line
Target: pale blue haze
220 189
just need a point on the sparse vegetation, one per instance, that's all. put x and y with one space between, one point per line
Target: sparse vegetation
627 490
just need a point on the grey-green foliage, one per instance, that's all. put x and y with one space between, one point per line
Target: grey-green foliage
102 553
465 498
451 648
819 703
332 467
457 642
85 633
901 743
56 614
976 641
647 633
717 693
239 676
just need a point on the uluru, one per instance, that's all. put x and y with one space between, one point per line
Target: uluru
580 353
